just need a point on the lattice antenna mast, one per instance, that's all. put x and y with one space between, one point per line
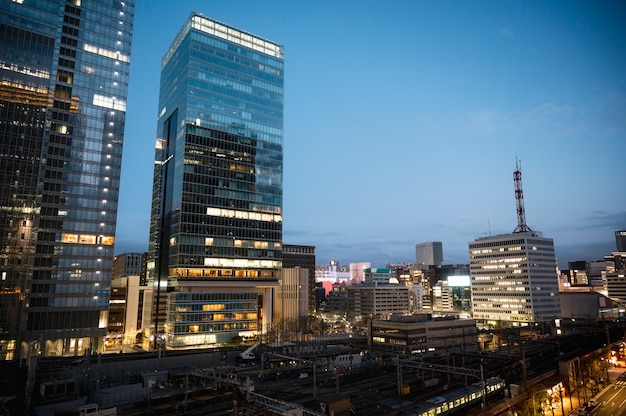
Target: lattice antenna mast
519 199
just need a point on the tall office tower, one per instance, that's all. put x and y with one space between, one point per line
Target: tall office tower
514 279
514 276
620 240
215 252
304 257
428 254
64 68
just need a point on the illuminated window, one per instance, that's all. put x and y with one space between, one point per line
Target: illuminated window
194 328
213 307
87 239
70 238
107 240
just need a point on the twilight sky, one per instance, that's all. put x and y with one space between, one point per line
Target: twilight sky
403 120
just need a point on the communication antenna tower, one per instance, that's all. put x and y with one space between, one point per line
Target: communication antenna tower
519 199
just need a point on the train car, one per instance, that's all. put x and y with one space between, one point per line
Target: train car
454 401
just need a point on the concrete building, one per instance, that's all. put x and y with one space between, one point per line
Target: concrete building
514 279
357 271
333 273
126 310
374 276
303 257
423 334
450 289
589 306
291 300
215 250
616 276
377 301
64 67
428 254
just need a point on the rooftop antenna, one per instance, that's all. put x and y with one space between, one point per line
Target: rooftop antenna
519 199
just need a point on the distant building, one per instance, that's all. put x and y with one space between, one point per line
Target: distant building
616 276
423 334
451 289
428 254
578 273
588 306
377 301
334 273
620 240
514 279
304 257
337 300
131 264
357 271
453 295
379 277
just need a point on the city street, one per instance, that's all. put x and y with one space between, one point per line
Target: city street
612 400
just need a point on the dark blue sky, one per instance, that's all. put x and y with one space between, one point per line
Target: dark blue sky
403 120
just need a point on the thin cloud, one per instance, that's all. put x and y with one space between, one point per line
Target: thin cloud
507 32
548 116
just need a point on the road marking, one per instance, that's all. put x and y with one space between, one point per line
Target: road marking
622 403
613 396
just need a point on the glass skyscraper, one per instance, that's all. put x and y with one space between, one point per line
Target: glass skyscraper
216 226
64 68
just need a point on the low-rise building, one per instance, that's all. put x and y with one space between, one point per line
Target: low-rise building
421 334
377 301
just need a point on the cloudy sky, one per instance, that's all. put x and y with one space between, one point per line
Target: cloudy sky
404 119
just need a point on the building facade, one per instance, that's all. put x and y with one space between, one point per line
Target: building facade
304 257
291 302
514 279
377 301
64 67
215 247
616 276
126 310
423 334
428 254
131 264
620 240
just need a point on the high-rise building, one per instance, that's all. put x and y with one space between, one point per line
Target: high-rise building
428 254
620 240
514 276
514 279
64 68
215 247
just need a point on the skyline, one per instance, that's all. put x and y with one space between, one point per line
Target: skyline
403 90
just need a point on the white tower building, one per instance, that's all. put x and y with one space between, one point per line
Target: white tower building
514 276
